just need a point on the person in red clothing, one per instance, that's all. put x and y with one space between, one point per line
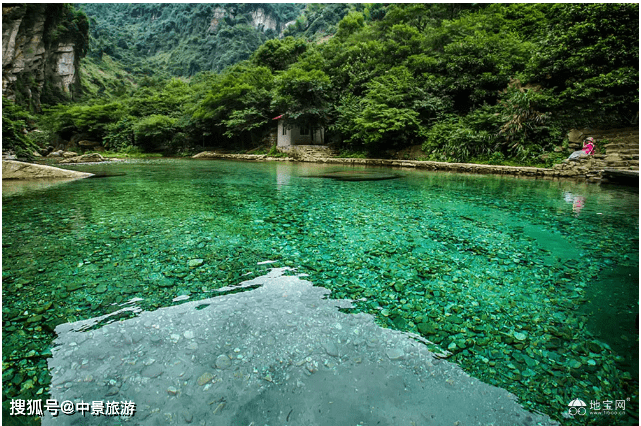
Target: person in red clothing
588 146
588 149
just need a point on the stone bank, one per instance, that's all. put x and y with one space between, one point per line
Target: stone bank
415 164
617 156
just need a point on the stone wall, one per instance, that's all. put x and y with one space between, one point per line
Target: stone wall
311 153
628 135
617 149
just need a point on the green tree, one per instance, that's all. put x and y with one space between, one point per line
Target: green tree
169 99
92 120
589 55
302 96
153 132
351 24
279 54
238 104
476 58
423 15
393 112
528 127
120 135
15 122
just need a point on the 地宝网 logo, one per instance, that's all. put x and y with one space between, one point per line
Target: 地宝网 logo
607 407
577 407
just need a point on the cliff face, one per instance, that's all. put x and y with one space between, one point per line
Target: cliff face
260 19
41 48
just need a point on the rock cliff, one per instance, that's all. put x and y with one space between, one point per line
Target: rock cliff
264 21
260 19
41 48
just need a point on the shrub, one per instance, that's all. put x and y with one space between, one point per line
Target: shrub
154 132
120 135
15 121
461 138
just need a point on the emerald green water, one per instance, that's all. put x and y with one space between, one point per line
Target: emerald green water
529 285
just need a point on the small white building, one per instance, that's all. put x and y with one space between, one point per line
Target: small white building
288 137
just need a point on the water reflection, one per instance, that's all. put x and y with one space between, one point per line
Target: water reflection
11 187
283 175
281 353
577 201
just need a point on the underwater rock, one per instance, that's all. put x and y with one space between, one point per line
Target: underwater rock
113 390
152 371
223 362
194 263
426 328
455 319
395 353
594 347
330 348
165 282
204 378
358 175
520 336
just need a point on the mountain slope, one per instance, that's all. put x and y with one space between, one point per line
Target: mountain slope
179 39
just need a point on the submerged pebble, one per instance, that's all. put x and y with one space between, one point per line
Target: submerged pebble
464 261
204 378
223 362
194 263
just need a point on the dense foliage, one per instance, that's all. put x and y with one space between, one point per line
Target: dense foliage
466 82
181 39
15 123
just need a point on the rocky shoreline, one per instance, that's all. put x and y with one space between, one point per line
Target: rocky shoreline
580 169
568 172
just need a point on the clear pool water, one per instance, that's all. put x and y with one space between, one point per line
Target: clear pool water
529 285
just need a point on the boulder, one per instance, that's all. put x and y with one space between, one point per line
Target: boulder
205 154
20 170
87 145
55 154
575 136
86 158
